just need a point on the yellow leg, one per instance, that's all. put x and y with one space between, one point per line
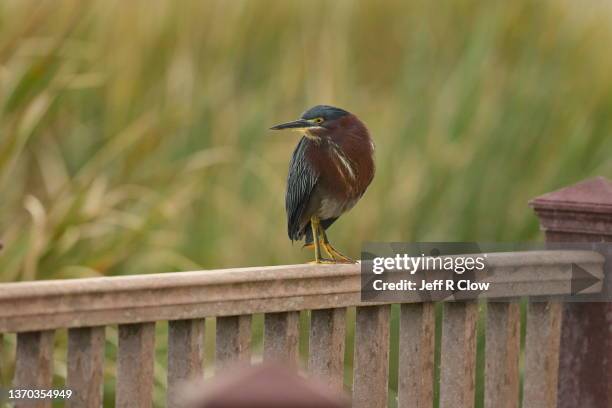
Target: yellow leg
314 223
336 255
325 243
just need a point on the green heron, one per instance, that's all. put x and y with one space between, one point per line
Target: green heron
330 170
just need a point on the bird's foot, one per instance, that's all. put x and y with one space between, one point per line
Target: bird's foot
336 255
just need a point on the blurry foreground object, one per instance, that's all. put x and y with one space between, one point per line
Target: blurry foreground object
331 168
263 386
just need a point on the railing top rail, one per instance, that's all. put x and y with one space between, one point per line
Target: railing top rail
39 305
17 290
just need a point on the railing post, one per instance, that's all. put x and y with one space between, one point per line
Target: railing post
371 364
233 341
185 356
458 355
281 337
85 366
582 213
34 365
135 364
327 342
417 342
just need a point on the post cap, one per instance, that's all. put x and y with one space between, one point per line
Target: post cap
592 195
580 211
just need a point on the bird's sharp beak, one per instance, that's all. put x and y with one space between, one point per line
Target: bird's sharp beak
296 124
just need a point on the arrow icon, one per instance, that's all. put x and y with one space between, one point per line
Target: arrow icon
581 279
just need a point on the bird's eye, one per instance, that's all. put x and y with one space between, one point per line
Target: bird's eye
318 120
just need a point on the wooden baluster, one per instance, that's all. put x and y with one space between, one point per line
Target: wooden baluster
542 355
502 355
416 355
458 359
281 337
233 341
134 387
327 338
371 366
85 366
2 364
185 356
34 365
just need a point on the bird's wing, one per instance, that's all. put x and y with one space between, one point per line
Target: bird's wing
301 181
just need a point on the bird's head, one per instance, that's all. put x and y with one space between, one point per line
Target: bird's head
322 121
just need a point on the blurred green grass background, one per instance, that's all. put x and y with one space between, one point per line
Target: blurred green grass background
133 135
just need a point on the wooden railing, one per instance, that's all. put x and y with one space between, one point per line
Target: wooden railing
35 310
84 306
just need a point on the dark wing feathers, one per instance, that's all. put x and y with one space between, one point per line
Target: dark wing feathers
300 182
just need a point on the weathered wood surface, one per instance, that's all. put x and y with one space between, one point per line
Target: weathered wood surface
585 355
85 366
371 363
458 359
502 350
2 363
542 355
327 340
42 305
281 337
34 365
233 341
135 359
185 356
583 213
416 355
